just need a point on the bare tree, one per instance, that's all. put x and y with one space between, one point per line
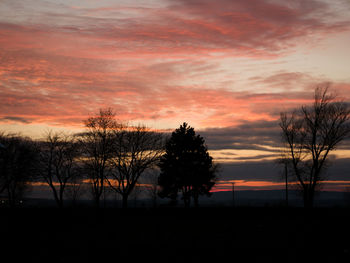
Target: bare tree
18 156
97 148
310 134
57 162
136 150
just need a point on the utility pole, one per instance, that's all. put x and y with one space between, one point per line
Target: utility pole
233 194
286 177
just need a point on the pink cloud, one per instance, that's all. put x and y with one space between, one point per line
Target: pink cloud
63 90
62 66
70 103
185 28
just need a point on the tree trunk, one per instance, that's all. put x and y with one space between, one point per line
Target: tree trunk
61 198
55 195
97 201
125 201
308 198
60 204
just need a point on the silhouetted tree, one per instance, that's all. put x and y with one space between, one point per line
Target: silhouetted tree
58 163
186 166
97 148
310 134
135 150
18 157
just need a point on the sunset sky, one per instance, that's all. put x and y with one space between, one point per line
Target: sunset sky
228 68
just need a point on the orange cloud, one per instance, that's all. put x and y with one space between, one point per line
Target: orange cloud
328 185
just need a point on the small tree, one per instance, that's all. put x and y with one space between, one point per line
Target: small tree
186 166
97 147
57 163
18 157
135 151
310 134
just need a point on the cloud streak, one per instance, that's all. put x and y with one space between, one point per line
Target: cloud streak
182 28
163 63
14 119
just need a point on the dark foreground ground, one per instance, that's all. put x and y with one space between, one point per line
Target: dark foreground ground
175 235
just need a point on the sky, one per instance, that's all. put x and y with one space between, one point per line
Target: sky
228 68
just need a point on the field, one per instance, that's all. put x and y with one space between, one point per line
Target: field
176 234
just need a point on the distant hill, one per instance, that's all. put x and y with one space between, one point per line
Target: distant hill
253 198
275 197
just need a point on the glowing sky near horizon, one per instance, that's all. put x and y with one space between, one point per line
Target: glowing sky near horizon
214 64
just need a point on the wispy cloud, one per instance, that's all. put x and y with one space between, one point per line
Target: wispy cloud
14 119
161 62
181 28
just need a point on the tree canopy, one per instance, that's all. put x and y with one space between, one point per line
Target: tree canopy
97 146
186 166
135 150
18 158
310 134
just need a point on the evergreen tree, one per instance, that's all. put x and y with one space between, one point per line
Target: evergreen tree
186 166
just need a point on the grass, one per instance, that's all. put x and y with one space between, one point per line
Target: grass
176 234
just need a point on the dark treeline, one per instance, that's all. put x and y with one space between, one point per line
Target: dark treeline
114 156
109 155
19 157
